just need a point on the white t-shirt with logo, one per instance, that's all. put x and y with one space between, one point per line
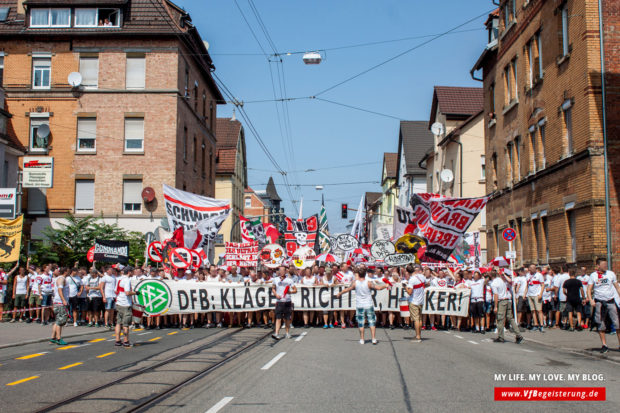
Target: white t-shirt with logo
535 283
522 281
35 283
110 285
477 290
281 286
123 285
347 277
558 282
603 285
74 283
47 286
547 295
416 282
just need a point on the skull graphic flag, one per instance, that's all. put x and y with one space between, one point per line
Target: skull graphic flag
300 233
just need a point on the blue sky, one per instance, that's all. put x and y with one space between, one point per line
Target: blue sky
323 135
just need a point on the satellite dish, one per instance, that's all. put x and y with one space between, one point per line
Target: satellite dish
43 131
148 194
312 58
437 129
75 79
446 176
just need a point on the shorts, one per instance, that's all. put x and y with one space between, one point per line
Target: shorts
488 306
363 314
562 307
612 312
284 310
522 305
587 310
2 295
82 303
35 300
95 304
123 316
60 314
547 307
476 309
110 304
73 303
46 301
20 301
535 303
576 307
415 312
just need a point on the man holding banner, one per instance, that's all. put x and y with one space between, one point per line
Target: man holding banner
502 304
282 288
415 289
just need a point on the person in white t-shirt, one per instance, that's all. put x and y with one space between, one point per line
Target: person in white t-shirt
558 282
415 288
20 292
502 305
75 288
523 309
586 310
476 306
535 283
123 293
345 276
108 284
365 310
602 289
282 288
60 291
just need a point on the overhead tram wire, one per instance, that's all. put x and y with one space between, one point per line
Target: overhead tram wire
242 112
401 54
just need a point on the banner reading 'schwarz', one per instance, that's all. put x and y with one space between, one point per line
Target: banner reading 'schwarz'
442 221
111 251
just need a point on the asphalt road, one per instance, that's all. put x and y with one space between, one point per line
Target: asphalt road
315 371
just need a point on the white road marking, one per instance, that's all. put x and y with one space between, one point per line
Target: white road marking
148 332
526 350
273 361
486 340
301 336
112 339
472 342
84 345
447 332
457 336
218 406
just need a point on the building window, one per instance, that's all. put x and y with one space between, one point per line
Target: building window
84 196
37 143
50 17
493 29
509 12
37 201
572 229
536 231
541 134
248 202
204 160
496 238
545 228
195 152
97 18
41 72
211 116
517 146
185 143
494 166
510 82
532 149
132 201
89 69
86 134
204 105
492 99
1 68
135 76
483 172
509 174
563 33
520 234
567 109
196 97
210 165
534 55
134 134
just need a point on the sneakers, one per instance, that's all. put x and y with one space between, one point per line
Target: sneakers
416 340
331 326
343 326
362 341
499 340
276 337
75 324
519 339
374 341
604 349
287 335
540 329
12 320
61 342
433 328
53 341
127 344
325 326
118 343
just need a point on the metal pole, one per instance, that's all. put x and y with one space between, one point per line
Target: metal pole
512 277
604 121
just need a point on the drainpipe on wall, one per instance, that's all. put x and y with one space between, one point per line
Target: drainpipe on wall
604 116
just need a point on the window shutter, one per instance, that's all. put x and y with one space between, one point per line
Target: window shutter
87 128
37 201
132 191
134 128
84 195
135 73
89 69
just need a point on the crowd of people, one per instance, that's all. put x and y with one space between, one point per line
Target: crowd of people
545 298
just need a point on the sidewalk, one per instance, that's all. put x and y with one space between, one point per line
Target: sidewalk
17 334
584 342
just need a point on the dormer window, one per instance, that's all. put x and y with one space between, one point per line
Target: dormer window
97 18
493 28
49 17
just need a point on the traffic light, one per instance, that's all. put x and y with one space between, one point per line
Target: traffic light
345 210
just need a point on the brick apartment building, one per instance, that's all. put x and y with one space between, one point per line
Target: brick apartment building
541 72
143 115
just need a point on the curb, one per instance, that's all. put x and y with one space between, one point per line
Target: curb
41 340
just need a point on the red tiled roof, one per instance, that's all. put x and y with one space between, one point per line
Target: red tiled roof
459 100
249 190
390 160
226 158
227 132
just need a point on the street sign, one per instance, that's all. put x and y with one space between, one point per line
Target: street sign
196 259
149 237
7 203
180 258
509 234
154 251
37 172
511 255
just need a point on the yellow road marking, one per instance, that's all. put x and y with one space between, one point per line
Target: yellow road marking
170 334
96 340
29 356
66 347
69 366
22 380
138 329
185 329
105 355
155 338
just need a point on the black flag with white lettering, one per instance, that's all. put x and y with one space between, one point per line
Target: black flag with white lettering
111 251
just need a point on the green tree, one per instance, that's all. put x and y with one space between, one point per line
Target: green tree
73 238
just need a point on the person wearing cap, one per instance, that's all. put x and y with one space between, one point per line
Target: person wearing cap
124 314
